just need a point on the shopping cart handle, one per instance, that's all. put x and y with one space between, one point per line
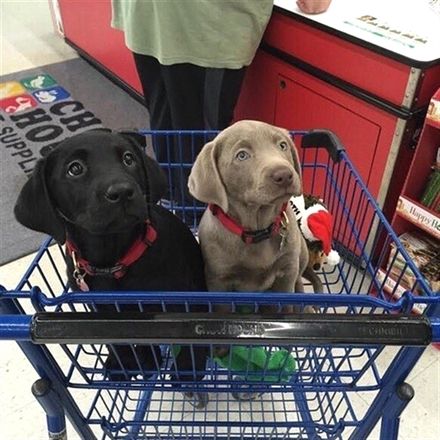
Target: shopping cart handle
324 139
181 328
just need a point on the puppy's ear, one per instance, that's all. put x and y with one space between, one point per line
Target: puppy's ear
155 179
34 208
295 160
205 182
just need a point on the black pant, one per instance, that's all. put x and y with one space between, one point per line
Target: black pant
186 97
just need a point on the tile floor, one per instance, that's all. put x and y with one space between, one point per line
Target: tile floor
28 40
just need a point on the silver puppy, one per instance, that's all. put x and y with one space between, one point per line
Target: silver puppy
249 237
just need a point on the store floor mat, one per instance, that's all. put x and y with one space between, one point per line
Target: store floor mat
39 108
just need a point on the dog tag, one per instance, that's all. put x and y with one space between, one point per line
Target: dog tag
79 278
284 232
78 274
82 285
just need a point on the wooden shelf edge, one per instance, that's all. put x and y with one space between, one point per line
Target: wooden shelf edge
419 215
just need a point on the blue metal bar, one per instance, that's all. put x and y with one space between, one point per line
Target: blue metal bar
395 375
386 225
435 325
304 410
394 407
135 297
46 366
18 328
34 263
51 403
141 409
15 327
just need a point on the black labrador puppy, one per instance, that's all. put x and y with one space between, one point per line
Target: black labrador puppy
98 192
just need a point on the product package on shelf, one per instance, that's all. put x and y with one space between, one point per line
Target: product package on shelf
433 114
431 195
424 252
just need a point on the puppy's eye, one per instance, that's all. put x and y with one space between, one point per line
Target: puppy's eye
283 146
128 159
242 155
76 169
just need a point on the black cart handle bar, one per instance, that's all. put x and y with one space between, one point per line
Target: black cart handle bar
199 328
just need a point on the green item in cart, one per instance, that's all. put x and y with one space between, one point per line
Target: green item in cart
275 366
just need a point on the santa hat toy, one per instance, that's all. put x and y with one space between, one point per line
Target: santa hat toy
315 223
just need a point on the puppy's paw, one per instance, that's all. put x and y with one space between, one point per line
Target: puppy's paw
197 400
243 392
116 369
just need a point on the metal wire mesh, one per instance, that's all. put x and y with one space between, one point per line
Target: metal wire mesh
318 400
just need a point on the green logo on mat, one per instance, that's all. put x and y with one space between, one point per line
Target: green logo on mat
41 81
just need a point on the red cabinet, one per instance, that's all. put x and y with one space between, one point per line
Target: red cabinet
296 35
304 103
87 28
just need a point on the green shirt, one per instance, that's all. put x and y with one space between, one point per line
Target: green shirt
207 33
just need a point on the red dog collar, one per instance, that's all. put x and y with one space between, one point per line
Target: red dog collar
137 249
247 236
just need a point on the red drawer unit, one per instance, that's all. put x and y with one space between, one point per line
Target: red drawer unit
301 38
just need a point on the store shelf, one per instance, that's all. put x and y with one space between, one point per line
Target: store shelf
411 216
396 290
419 215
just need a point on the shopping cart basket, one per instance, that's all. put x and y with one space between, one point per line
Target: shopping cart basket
365 336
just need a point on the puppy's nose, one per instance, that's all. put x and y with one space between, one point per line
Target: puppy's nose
282 176
118 192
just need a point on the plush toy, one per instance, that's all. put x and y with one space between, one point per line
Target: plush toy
315 223
274 366
270 366
265 366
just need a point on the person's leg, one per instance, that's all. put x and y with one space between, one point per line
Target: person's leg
184 84
150 74
156 101
149 71
200 99
222 89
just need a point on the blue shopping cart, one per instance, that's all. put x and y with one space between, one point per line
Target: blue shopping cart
370 327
